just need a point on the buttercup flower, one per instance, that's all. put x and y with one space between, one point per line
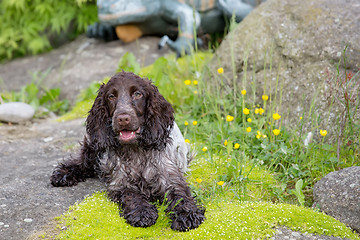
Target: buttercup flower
220 70
276 132
187 82
195 92
195 82
225 142
265 97
248 129
264 136
236 145
220 183
256 111
249 120
186 123
261 111
323 133
194 123
246 111
300 118
187 140
276 116
243 92
199 180
258 135
204 149
229 118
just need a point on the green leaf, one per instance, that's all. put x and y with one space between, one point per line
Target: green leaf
128 63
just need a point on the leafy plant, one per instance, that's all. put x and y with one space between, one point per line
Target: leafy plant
31 27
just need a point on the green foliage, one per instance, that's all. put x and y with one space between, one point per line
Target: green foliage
37 95
98 218
27 26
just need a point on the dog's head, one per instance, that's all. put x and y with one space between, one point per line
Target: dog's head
130 110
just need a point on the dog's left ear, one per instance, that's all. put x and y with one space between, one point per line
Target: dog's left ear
159 120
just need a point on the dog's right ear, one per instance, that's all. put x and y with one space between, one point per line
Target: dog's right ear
98 122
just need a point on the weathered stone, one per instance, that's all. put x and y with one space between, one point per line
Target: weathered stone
300 42
338 195
16 112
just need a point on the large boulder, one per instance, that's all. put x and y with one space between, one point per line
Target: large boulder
338 195
298 44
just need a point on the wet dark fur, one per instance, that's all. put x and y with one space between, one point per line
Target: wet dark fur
140 171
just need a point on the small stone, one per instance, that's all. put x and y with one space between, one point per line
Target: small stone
6 225
3 205
1 223
28 220
48 139
295 234
16 112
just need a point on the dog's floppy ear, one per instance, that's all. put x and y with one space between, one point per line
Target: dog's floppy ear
98 122
159 120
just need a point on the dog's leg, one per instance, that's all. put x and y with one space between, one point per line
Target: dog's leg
184 212
134 208
75 170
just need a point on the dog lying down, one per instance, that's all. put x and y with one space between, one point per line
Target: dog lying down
133 144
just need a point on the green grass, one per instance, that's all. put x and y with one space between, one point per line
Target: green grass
98 218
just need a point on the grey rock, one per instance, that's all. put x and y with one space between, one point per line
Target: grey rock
283 233
304 40
338 195
16 112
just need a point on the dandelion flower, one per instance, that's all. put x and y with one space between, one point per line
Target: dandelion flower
220 183
246 111
199 180
195 82
204 149
249 120
195 123
261 111
243 92
323 133
265 97
256 111
187 140
186 123
236 145
229 118
187 82
220 70
248 129
276 116
276 132
225 143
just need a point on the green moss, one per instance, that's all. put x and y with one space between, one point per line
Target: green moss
80 110
97 218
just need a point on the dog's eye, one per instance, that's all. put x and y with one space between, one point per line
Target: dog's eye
137 94
111 97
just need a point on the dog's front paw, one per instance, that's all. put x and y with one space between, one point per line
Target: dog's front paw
186 219
142 216
63 178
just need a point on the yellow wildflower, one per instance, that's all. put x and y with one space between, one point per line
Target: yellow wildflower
300 118
264 136
225 142
265 97
195 92
276 116
246 111
249 120
220 183
186 123
248 129
187 140
276 132
199 180
261 111
187 82
243 92
323 133
229 118
204 149
195 82
195 123
220 70
256 111
236 145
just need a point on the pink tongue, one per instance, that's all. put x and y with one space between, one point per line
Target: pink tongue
126 135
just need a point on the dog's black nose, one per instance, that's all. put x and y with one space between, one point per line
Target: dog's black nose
124 119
